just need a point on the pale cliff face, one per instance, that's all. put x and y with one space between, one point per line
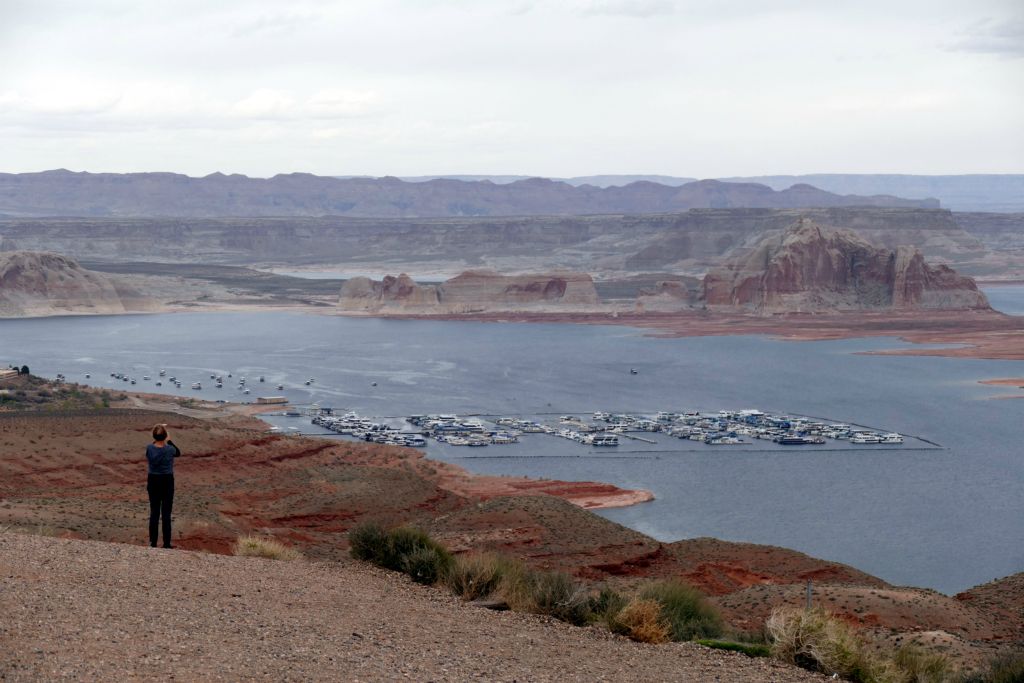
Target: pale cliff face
364 294
472 292
811 268
42 283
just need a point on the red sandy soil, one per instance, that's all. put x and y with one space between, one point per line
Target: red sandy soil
983 334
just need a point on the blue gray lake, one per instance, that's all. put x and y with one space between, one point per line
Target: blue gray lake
946 518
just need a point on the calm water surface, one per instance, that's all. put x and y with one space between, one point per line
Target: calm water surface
946 518
1006 298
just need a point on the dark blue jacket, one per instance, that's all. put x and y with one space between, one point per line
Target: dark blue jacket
161 458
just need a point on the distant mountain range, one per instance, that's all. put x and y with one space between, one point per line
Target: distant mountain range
980 192
66 193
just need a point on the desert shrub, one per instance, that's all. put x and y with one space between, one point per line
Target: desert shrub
404 549
257 546
368 542
553 593
686 610
815 640
426 564
1006 668
404 541
749 649
476 576
643 620
605 608
917 666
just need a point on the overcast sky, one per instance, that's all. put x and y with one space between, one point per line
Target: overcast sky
558 88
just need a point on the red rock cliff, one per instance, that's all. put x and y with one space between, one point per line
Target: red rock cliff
808 267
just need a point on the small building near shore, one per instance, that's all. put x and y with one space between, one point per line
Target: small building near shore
7 373
271 400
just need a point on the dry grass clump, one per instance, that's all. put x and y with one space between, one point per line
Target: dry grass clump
816 640
642 620
259 546
555 594
479 575
1005 668
914 665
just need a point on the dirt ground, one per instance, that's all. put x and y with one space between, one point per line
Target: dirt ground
76 610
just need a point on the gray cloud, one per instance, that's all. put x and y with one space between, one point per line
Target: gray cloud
991 36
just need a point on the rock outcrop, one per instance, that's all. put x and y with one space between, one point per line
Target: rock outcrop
669 295
364 294
809 268
474 291
484 290
44 283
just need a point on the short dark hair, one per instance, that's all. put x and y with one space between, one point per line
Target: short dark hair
159 433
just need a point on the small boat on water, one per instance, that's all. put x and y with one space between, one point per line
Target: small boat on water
163 372
797 440
197 385
280 387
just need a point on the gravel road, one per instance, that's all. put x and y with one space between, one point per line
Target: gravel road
81 610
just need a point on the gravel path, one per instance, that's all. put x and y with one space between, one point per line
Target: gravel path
83 610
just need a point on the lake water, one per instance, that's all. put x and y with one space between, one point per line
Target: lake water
1006 298
945 518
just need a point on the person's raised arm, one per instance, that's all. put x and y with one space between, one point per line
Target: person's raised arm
177 451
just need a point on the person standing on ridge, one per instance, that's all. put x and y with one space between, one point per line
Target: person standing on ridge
160 483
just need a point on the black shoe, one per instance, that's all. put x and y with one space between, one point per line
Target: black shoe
169 547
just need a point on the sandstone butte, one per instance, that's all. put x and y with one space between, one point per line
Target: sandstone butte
474 291
43 283
235 479
810 268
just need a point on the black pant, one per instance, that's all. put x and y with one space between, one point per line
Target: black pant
161 498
